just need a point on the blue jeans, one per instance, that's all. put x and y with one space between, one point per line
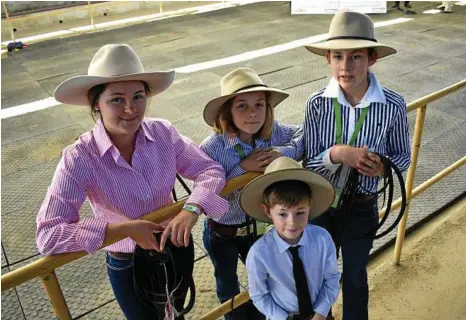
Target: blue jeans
355 256
120 273
224 252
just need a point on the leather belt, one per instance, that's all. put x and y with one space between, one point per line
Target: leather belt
297 316
229 231
365 198
121 255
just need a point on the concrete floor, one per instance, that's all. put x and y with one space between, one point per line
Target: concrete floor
431 55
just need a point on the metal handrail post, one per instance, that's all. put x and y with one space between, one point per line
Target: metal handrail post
420 117
53 289
91 13
10 27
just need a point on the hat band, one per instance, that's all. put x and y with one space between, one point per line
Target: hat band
353 38
251 86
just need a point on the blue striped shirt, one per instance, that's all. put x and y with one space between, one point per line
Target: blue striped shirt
385 131
221 148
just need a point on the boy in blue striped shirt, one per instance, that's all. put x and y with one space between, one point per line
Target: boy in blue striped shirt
246 139
345 124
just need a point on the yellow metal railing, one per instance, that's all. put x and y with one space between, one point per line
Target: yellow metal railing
44 268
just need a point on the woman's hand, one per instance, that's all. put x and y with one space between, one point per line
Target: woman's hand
141 231
179 229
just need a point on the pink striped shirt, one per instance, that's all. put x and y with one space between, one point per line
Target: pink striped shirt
92 167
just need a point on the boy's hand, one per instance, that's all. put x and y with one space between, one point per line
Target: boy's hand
267 156
370 166
318 316
348 155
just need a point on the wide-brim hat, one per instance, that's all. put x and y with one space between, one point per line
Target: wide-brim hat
239 81
351 30
281 169
111 63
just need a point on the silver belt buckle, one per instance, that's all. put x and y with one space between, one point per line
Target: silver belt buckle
241 232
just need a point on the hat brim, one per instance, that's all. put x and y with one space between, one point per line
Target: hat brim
74 90
323 193
342 44
212 107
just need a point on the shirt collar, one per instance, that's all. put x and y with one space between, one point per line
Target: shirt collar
232 141
104 143
283 245
101 137
373 94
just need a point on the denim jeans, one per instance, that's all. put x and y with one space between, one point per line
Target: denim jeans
224 253
120 273
355 256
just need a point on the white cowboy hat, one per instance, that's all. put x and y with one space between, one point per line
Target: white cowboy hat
280 169
351 30
111 63
239 81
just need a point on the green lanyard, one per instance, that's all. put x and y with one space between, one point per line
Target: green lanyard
357 128
239 151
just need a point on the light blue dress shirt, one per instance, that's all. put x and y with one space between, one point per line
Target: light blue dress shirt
270 273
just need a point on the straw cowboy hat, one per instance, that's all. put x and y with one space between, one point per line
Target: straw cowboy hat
280 169
239 81
111 63
351 30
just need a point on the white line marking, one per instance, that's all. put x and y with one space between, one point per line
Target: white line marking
29 107
50 102
432 11
270 50
145 18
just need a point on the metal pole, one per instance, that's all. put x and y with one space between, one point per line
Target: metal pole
91 13
420 117
160 7
52 287
12 33
225 307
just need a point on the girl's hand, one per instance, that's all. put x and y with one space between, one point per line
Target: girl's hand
251 163
267 156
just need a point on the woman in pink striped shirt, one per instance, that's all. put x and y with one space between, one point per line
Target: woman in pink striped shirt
126 167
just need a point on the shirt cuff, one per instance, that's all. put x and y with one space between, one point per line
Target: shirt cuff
332 167
288 151
235 172
323 308
212 204
91 234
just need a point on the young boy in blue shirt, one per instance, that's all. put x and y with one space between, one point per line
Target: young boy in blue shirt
292 268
